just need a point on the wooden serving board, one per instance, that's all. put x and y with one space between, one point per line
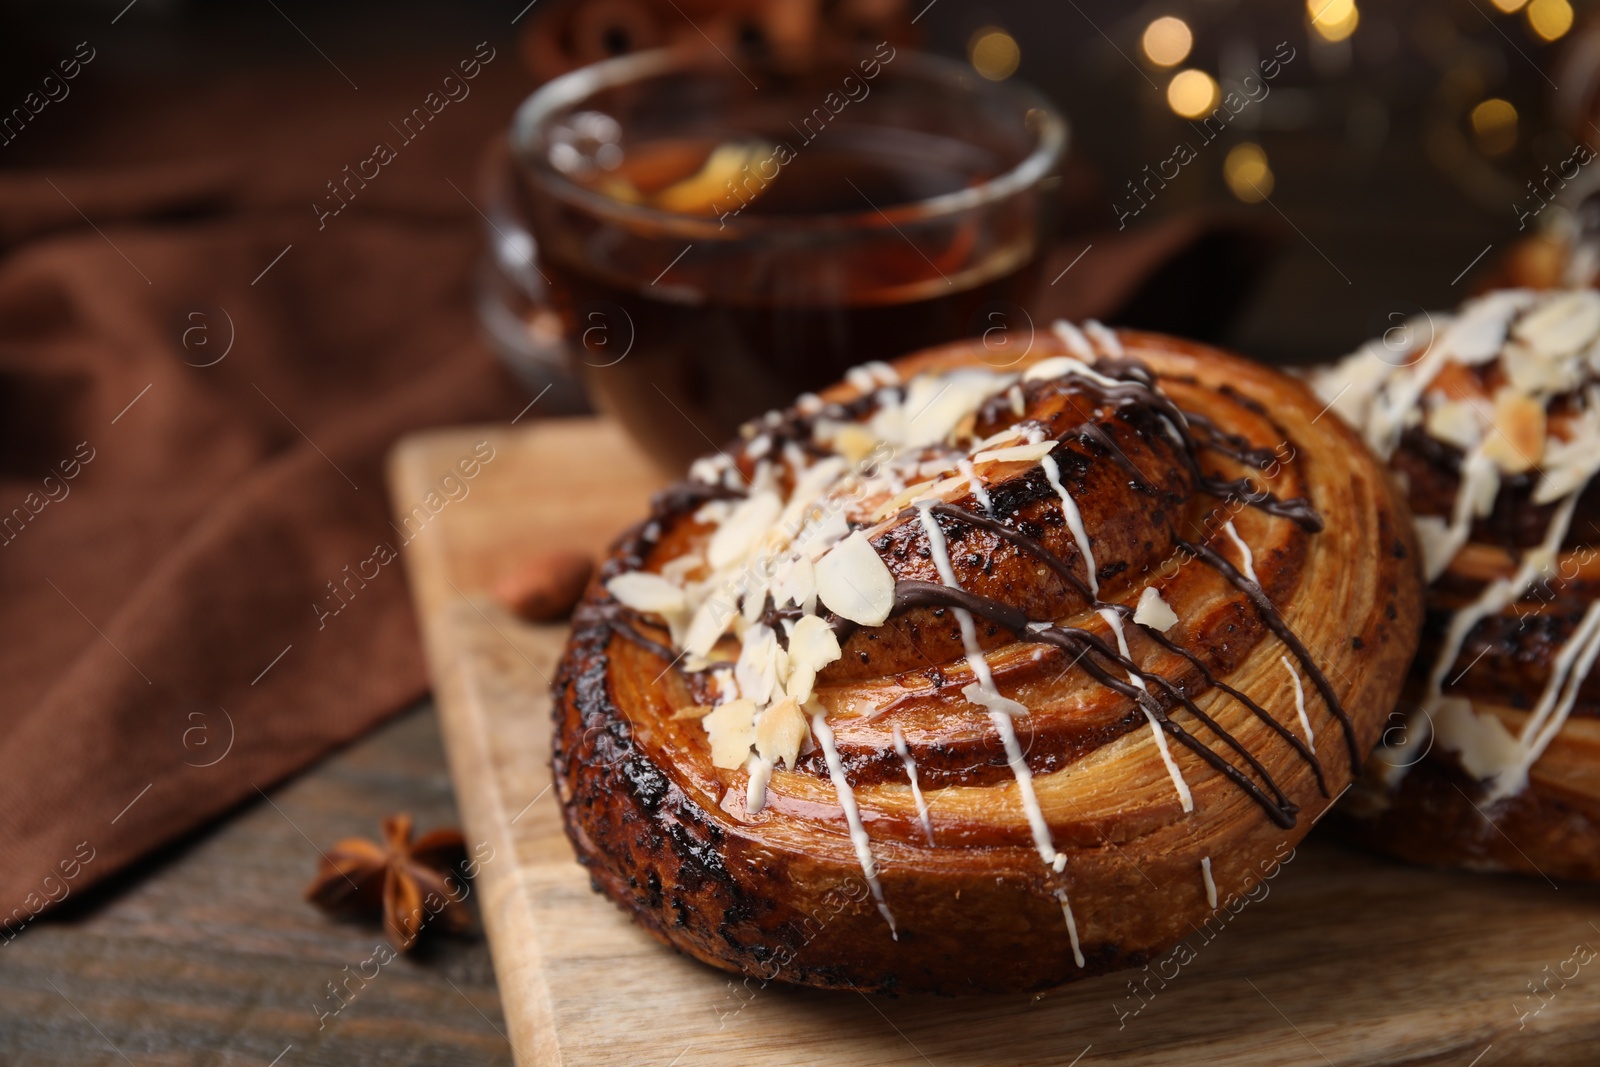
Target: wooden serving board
1346 959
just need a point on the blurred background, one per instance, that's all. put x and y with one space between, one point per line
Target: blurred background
1395 147
185 290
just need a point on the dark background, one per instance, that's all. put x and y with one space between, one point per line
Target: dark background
1378 185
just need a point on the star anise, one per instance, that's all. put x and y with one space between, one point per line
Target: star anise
416 883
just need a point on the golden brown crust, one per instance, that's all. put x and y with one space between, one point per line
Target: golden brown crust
780 893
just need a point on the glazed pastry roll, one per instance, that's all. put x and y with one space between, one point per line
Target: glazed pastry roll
959 678
1491 419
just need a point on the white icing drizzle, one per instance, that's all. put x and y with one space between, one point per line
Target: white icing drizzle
911 773
1247 558
1571 667
1058 366
1104 338
983 691
1069 508
1073 338
882 373
852 815
861 378
947 575
1500 594
1211 884
1546 344
1495 597
1480 481
964 465
1072 927
1378 390
1185 798
768 540
1300 702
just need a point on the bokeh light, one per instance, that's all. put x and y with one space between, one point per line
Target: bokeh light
1247 173
1167 41
1494 126
1550 19
994 53
1191 93
1510 7
1334 20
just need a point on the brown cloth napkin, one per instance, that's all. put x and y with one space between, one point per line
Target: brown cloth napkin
222 380
199 380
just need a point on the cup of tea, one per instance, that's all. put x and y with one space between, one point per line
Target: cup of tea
721 232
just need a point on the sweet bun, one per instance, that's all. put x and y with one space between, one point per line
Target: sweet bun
1491 417
960 678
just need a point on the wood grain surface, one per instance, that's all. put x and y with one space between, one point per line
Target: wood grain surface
1341 958
205 955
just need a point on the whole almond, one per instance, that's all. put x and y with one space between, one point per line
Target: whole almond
546 586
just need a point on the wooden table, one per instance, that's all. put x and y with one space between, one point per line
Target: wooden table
1347 959
207 955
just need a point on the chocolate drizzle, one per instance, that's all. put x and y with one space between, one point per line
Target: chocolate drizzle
1135 389
1016 537
910 593
1254 708
620 620
1278 806
1141 389
1275 621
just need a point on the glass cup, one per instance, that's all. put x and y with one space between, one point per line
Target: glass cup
721 233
